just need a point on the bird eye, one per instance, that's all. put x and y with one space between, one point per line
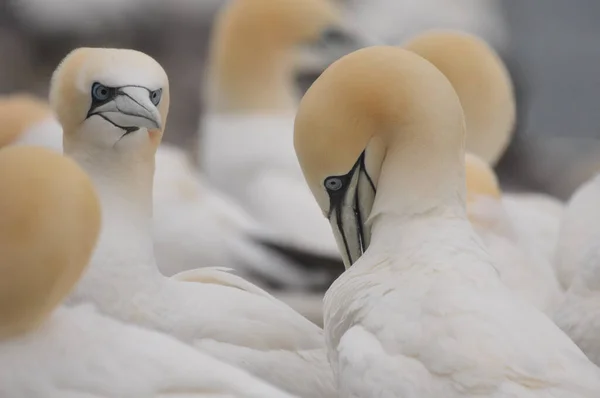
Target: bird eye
333 183
100 92
155 96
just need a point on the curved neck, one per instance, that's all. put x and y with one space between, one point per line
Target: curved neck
420 176
251 80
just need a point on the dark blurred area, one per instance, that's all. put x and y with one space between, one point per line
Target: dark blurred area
550 46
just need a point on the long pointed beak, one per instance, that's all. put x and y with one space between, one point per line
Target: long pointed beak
131 110
349 209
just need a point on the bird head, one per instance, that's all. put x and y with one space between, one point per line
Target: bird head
257 45
482 83
110 99
378 112
49 224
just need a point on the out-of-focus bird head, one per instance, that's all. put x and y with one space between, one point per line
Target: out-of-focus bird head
482 83
256 46
49 224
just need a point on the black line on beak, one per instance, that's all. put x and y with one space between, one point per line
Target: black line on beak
336 203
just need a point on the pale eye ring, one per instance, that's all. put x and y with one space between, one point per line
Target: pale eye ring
333 184
100 92
156 96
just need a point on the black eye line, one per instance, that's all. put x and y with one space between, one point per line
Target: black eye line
127 130
338 217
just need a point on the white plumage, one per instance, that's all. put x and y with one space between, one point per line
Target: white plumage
248 327
422 313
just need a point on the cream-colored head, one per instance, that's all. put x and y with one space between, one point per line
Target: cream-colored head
382 120
18 112
110 99
481 179
49 223
254 48
482 83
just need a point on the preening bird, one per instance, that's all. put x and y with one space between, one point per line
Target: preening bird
246 134
526 272
486 93
50 220
420 310
113 106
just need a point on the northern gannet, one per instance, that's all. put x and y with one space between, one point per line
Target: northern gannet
113 106
50 217
524 271
420 310
193 224
486 93
578 265
246 139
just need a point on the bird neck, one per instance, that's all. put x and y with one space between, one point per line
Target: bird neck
419 177
251 80
123 262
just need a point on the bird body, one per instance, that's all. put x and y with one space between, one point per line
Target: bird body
520 265
51 216
116 144
578 264
420 310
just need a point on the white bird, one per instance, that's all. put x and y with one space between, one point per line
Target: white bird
420 310
196 226
486 93
246 147
113 105
523 270
50 217
579 266
193 224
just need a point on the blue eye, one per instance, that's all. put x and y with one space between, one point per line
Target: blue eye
155 96
333 184
100 92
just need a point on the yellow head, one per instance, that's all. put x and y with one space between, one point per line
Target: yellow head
18 112
381 119
481 179
254 47
482 83
49 223
110 99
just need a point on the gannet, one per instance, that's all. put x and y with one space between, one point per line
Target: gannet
524 271
113 106
50 217
28 120
420 310
578 266
245 145
193 224
486 93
